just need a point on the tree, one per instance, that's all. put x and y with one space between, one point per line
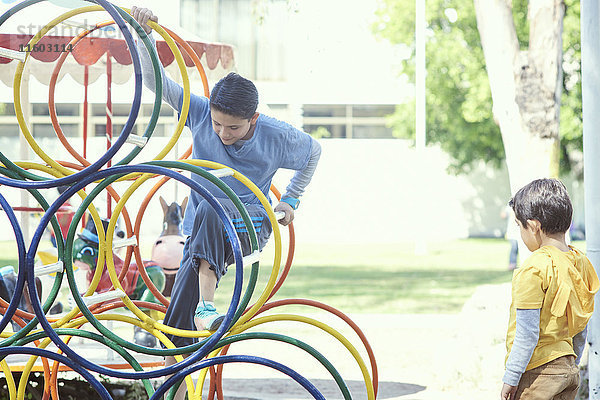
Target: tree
459 106
525 84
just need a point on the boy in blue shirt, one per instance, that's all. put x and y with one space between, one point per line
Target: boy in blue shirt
228 130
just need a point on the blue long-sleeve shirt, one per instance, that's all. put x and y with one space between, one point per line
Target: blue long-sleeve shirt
275 144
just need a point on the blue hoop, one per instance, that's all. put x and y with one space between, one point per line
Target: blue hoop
135 106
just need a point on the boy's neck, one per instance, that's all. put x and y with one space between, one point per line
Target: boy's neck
556 239
250 133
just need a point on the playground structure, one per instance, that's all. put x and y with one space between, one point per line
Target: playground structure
51 337
168 248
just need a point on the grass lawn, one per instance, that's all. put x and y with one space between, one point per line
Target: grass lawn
9 254
389 278
377 278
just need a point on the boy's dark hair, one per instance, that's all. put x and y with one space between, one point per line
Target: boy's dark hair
235 95
547 201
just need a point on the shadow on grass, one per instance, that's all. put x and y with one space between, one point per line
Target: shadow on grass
356 289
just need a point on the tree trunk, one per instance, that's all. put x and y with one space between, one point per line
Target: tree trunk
525 84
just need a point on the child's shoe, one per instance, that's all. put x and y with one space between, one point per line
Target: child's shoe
207 317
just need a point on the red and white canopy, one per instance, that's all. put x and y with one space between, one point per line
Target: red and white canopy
91 51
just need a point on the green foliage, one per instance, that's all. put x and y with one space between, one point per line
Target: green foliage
459 104
320 132
521 22
571 113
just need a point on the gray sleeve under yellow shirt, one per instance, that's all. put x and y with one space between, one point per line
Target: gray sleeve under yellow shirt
526 337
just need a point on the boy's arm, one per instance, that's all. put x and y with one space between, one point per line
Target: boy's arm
299 181
302 178
172 92
579 344
527 334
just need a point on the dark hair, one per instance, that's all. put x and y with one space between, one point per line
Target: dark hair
235 95
547 201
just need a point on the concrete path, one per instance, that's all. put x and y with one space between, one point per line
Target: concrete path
419 356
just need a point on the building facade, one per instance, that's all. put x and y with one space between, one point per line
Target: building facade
313 66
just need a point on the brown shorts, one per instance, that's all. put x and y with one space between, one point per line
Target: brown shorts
557 379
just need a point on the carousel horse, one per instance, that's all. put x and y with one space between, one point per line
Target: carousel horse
168 248
85 256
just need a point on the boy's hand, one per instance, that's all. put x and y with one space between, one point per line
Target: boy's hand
508 392
142 16
289 213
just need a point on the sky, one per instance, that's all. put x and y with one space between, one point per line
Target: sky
345 56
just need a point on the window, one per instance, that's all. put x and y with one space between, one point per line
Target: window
372 110
70 130
64 109
7 109
162 130
71 121
40 109
118 110
9 130
98 109
100 130
43 130
278 107
121 110
324 110
165 110
359 121
67 110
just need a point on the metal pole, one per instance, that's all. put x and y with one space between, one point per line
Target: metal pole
420 123
86 82
24 152
590 59
420 71
109 126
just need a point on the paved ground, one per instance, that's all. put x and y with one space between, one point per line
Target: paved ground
420 357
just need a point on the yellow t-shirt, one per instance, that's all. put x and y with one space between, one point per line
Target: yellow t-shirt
562 285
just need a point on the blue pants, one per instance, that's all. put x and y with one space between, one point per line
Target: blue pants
208 241
514 252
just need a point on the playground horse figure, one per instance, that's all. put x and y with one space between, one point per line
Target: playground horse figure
85 256
168 248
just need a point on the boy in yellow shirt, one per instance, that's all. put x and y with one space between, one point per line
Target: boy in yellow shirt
552 299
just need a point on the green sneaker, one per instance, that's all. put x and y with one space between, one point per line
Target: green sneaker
211 319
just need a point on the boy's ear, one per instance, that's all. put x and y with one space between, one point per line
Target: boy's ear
534 225
254 118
